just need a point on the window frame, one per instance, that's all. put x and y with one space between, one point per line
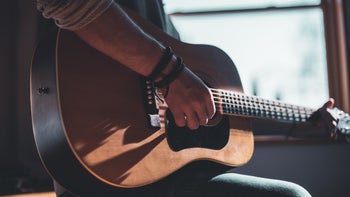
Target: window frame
338 78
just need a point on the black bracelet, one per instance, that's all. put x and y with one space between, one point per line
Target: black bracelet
163 62
174 73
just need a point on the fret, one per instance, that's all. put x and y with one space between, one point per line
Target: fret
233 103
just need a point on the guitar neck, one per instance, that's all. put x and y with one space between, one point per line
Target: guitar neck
233 103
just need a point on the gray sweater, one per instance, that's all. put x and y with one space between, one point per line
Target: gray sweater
72 14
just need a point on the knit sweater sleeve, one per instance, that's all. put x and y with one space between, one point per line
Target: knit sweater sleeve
72 14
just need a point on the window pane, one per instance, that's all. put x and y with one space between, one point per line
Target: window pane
206 5
279 54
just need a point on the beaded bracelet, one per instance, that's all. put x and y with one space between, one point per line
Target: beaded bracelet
172 75
163 62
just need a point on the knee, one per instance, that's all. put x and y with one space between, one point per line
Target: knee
290 189
244 185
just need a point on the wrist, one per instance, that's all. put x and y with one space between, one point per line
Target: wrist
174 71
167 69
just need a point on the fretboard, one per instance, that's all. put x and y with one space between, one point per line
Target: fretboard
233 103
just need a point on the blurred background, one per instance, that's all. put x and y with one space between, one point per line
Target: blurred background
290 50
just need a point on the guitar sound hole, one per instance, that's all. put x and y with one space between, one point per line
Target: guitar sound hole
211 137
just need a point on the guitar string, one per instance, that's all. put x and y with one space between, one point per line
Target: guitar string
227 102
248 100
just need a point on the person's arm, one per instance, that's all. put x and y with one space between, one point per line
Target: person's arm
116 35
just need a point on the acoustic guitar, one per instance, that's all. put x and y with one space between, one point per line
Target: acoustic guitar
91 126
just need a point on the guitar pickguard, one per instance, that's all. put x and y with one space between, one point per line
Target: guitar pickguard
212 137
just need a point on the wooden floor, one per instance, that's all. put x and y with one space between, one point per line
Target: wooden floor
44 194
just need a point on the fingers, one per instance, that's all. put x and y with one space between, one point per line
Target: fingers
329 104
192 120
210 107
179 117
326 118
323 110
201 115
204 109
190 101
191 117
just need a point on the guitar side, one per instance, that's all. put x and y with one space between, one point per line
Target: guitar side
89 120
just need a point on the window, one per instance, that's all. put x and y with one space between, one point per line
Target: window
279 47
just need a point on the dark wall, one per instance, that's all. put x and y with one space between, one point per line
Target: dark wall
26 40
20 168
7 74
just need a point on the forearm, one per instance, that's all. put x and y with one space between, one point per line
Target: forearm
106 27
117 36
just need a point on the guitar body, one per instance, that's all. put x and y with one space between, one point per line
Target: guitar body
91 127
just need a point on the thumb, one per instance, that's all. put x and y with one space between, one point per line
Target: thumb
329 104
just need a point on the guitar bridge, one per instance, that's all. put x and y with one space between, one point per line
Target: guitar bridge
149 101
